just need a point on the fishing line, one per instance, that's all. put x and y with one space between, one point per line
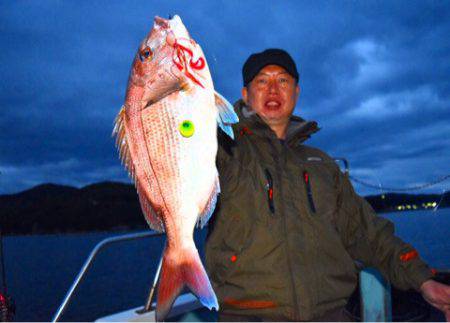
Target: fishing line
403 189
440 201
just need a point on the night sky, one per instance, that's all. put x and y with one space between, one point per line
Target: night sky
374 75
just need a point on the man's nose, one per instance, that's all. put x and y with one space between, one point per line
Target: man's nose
273 86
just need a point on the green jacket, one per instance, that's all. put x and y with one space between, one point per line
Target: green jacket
289 227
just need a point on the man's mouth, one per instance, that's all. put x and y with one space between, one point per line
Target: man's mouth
272 104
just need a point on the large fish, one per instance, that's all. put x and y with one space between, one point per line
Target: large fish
166 135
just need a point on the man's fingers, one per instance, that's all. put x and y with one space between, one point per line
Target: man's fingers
438 295
444 308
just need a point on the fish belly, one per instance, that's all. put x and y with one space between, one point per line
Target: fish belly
184 167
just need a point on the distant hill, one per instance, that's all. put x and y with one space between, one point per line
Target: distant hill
392 202
104 206
51 208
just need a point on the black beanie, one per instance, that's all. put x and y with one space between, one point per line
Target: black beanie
272 56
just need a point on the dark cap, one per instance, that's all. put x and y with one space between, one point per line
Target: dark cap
272 56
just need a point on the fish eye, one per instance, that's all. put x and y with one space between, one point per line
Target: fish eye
187 128
146 54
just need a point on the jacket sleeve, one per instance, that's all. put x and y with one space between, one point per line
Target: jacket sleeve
370 239
224 150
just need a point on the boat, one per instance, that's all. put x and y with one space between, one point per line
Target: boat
374 299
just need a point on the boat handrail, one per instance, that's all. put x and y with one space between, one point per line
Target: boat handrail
101 245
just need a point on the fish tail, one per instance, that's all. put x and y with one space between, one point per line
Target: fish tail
180 270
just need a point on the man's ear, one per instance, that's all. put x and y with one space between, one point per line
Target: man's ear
297 93
244 93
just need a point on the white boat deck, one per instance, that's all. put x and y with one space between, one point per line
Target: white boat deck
184 304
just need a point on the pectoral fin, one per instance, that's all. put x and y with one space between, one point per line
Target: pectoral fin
226 116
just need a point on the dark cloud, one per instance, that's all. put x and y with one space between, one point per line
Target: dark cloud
373 74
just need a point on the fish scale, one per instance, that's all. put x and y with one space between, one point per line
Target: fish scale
171 158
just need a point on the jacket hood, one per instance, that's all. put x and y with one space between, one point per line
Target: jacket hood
298 130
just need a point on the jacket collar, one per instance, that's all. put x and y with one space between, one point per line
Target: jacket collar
298 130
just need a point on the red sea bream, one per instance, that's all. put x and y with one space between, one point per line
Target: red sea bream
166 135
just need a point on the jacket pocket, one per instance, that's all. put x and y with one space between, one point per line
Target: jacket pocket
232 235
269 189
309 194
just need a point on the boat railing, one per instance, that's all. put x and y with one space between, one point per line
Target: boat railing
87 264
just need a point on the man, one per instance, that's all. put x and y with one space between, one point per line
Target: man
289 225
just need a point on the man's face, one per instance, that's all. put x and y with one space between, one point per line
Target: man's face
272 94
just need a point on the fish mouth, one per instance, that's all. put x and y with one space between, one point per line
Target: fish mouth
178 28
174 24
164 23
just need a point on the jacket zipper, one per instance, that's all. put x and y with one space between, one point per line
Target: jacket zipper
309 195
289 261
269 188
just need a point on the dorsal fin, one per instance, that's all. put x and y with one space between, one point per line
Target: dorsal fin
153 219
120 131
122 143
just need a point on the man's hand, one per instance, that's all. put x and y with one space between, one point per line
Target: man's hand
438 295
